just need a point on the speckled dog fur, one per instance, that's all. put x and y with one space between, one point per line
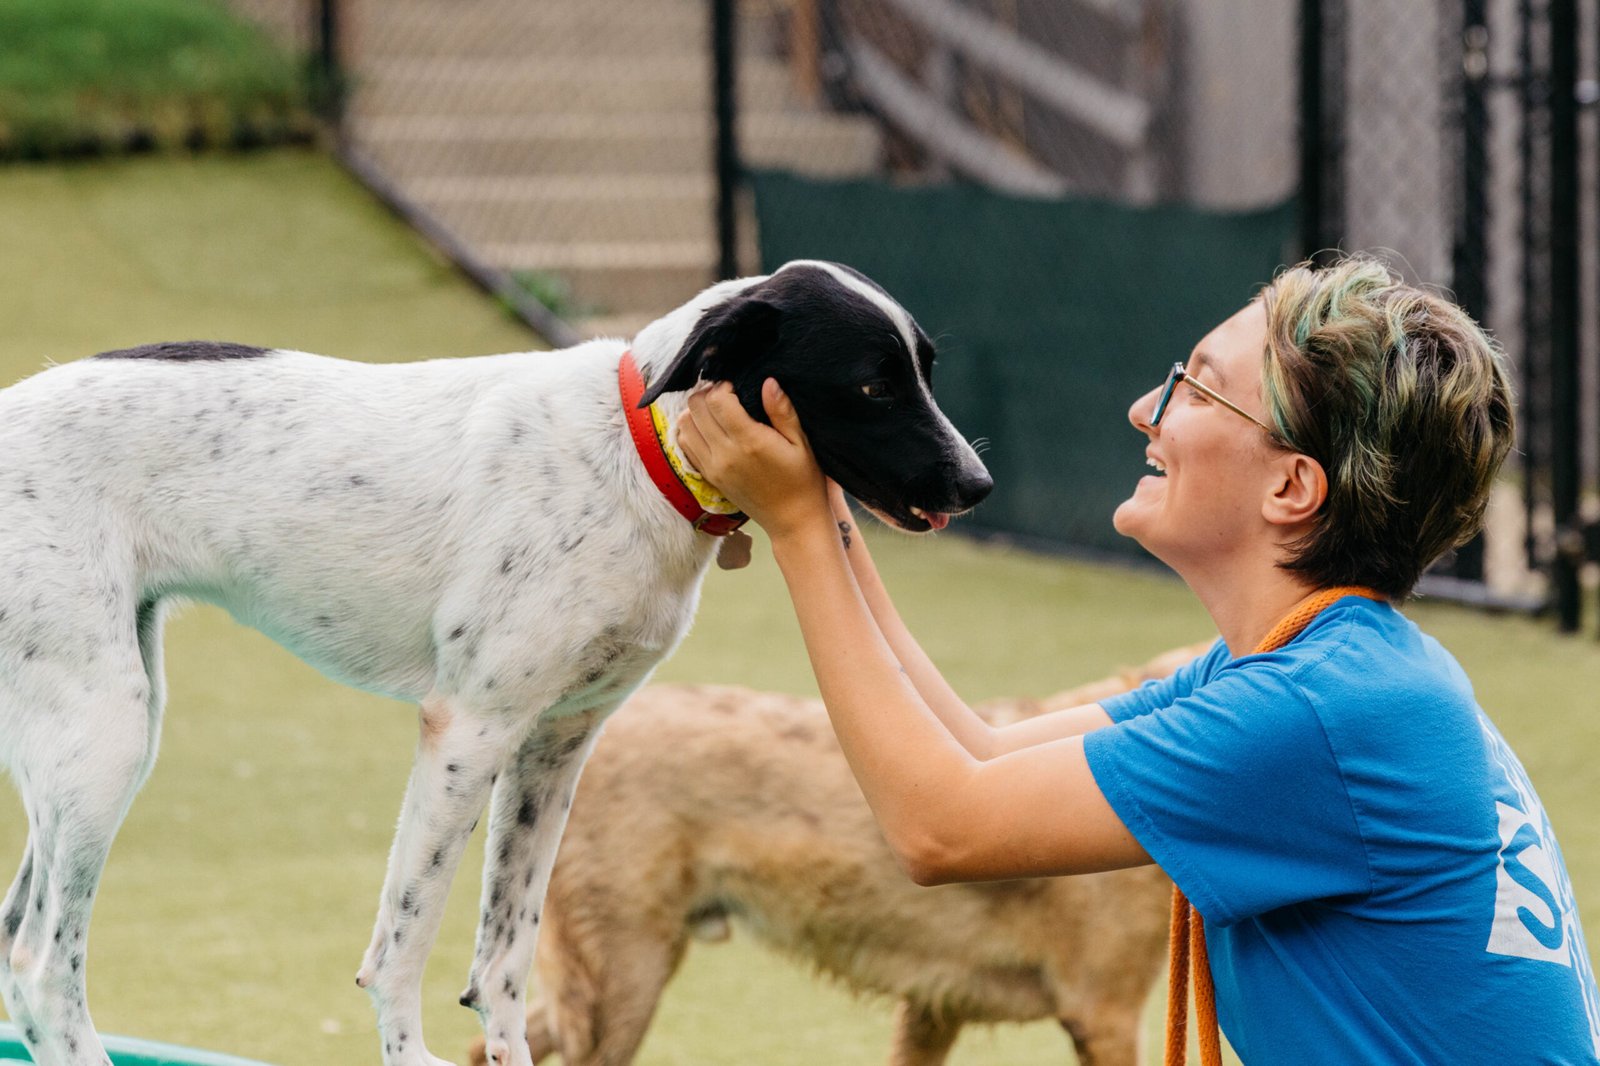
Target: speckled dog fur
475 535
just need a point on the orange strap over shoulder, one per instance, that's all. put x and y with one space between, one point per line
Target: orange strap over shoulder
1187 945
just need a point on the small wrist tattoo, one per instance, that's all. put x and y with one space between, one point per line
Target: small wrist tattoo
844 534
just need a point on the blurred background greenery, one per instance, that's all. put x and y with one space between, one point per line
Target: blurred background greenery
89 77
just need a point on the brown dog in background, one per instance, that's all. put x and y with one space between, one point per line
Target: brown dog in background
707 802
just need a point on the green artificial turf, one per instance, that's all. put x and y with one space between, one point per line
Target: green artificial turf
89 76
241 891
276 248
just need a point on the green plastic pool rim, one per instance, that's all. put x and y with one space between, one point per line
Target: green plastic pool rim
128 1051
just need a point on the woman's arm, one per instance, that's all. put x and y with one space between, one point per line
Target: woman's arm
947 815
977 736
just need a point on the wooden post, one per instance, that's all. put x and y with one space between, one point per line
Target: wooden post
805 50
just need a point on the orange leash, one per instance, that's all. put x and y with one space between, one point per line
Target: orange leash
1187 940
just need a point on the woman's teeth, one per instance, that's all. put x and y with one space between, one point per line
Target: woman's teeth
1151 462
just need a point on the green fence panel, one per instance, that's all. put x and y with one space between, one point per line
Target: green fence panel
1050 317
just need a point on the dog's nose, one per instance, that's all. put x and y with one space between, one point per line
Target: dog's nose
973 485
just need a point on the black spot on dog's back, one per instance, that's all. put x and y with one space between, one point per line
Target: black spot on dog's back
187 351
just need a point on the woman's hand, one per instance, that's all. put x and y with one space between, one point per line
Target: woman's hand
768 471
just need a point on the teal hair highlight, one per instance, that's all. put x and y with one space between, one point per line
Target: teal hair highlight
1403 400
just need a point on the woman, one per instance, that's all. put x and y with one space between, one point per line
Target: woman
1378 878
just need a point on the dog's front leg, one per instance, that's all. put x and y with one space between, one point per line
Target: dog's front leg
527 816
458 756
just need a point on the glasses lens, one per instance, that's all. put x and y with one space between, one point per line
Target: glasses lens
1166 394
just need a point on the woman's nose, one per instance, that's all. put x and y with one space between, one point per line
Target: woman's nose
1139 414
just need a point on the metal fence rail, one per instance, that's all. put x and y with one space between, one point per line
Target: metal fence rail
1465 144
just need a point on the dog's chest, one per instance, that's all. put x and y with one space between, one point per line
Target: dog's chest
606 672
588 656
568 594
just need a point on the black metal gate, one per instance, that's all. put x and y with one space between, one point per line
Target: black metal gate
1508 209
1460 137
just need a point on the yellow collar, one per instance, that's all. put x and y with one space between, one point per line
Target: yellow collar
704 494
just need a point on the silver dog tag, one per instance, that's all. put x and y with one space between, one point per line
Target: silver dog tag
734 551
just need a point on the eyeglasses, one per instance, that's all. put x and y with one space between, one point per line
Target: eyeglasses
1177 374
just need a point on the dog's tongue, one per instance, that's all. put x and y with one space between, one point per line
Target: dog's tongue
937 521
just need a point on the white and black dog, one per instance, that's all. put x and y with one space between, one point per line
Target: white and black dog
481 536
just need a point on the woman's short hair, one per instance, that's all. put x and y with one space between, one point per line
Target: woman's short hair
1405 402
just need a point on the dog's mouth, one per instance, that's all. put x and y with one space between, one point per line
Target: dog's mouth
909 519
910 504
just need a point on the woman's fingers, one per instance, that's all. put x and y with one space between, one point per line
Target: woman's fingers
780 409
721 405
702 436
768 471
721 439
702 408
692 443
728 429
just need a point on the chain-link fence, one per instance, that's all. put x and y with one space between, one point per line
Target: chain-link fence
1067 193
1425 130
1405 161
566 142
1463 138
1552 84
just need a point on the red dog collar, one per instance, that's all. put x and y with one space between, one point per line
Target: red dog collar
649 446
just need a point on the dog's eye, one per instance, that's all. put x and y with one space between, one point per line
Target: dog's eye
876 390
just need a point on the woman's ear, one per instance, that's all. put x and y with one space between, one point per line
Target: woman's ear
1300 488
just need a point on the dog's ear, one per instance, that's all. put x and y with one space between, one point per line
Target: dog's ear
728 339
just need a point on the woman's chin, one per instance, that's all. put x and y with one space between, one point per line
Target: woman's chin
1126 519
1134 514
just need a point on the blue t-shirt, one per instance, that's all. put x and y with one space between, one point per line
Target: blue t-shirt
1378 878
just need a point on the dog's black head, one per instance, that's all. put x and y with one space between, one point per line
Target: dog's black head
858 370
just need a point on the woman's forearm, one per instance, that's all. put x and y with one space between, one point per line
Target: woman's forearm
974 734
980 738
908 762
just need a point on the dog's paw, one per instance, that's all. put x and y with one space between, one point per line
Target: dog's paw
504 1053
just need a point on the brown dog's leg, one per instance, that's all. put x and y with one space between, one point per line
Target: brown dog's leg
1106 1035
603 1022
920 1037
541 1032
